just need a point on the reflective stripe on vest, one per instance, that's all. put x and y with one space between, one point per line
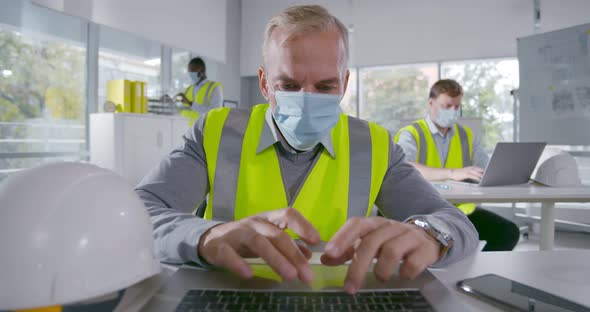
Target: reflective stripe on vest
204 92
203 97
243 182
460 152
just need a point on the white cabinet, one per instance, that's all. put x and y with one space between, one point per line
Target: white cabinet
132 144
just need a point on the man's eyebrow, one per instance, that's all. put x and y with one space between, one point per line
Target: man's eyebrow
330 81
285 78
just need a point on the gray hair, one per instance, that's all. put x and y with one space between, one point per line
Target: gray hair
304 19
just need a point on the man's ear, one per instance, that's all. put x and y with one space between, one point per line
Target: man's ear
262 83
346 77
430 106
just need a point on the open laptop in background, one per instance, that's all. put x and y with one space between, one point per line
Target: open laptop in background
511 163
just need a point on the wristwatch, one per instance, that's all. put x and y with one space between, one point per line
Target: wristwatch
435 229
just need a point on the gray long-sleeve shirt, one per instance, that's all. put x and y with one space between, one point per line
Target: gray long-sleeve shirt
179 183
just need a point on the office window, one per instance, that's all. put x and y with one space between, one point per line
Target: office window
487 85
42 87
122 55
349 101
390 95
180 77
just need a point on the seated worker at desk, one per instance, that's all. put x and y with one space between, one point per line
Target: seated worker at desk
203 94
300 164
442 149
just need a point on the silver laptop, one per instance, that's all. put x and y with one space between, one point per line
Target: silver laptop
511 163
194 289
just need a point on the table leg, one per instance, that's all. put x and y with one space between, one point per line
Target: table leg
547 226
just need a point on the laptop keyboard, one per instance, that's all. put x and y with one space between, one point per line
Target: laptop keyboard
290 301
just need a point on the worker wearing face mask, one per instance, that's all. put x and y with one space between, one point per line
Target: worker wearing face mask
442 149
203 94
298 168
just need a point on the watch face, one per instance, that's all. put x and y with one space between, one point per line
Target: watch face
442 233
438 225
421 223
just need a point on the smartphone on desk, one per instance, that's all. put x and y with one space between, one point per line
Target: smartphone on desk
514 296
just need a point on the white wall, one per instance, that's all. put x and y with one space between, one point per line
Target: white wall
398 32
388 32
195 25
558 14
228 73
122 42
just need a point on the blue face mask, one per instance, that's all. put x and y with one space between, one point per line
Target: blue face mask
195 76
304 119
447 117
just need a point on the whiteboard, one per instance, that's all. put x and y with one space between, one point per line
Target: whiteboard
554 92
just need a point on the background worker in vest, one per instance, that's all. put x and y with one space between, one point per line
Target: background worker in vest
203 95
452 152
298 163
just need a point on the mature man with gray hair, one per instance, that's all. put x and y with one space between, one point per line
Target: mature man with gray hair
283 177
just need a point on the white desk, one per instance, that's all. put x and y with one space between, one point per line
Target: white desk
526 193
564 273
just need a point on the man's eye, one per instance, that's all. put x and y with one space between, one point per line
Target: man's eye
325 88
289 87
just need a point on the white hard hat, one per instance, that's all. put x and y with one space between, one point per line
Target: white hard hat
70 232
557 168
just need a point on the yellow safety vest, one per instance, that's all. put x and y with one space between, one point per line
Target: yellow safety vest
203 97
460 150
245 181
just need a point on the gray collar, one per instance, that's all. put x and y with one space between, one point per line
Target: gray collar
434 130
271 135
